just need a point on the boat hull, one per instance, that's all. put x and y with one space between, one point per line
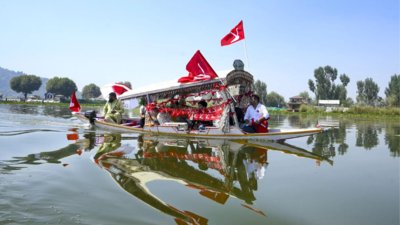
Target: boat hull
209 132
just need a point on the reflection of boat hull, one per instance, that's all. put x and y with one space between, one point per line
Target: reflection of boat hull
209 132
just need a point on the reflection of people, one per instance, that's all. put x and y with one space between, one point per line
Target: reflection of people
111 143
113 109
142 111
255 115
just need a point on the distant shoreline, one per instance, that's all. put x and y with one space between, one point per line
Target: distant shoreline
46 103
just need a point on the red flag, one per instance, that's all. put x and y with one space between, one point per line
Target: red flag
198 69
74 105
236 34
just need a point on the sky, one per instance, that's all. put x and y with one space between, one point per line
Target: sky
145 42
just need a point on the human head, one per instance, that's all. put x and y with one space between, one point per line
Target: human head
142 101
255 99
112 96
174 105
242 90
202 104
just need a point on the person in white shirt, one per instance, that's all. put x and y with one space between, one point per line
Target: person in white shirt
256 113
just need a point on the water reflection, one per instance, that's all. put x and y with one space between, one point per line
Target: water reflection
392 138
218 169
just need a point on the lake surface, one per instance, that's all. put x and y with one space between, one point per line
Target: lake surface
56 170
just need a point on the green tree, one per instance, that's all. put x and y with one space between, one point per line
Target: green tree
61 85
367 92
306 97
275 100
260 89
127 83
91 91
392 92
25 84
325 87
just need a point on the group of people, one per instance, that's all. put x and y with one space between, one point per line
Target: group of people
250 113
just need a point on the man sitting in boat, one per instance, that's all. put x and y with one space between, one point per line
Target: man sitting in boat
159 118
243 100
198 123
113 109
255 115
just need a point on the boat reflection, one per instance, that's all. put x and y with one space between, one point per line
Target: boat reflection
193 163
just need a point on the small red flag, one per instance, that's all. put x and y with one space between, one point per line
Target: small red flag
198 69
74 105
64 165
236 34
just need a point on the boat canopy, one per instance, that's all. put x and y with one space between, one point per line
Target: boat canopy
165 89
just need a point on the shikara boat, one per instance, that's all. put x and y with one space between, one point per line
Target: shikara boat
160 94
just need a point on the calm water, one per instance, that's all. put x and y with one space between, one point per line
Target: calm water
54 169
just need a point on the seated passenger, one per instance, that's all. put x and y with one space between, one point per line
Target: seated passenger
197 123
160 118
113 109
256 114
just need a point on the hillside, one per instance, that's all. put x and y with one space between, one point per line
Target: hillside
5 77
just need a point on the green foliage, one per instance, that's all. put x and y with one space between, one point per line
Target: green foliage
348 102
260 89
393 91
311 109
324 86
275 100
91 91
25 84
306 97
127 83
61 85
367 92
389 111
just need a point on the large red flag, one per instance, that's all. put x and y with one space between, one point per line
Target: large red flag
236 34
198 69
74 105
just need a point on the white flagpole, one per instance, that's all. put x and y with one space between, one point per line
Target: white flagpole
247 58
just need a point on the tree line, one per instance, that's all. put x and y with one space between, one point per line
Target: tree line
26 84
325 88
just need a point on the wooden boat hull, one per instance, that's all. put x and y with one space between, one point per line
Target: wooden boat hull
209 132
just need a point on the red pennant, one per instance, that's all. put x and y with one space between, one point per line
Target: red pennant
198 69
196 116
236 34
202 116
79 152
64 165
74 105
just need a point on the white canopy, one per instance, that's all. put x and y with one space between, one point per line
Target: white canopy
168 85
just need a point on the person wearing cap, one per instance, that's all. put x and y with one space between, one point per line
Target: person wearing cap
113 109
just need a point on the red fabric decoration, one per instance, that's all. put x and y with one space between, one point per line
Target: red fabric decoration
236 34
74 105
120 90
220 87
198 69
79 152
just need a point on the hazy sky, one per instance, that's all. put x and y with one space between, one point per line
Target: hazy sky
150 41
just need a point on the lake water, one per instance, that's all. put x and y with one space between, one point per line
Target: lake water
56 170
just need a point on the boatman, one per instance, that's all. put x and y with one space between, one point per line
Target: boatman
255 115
113 109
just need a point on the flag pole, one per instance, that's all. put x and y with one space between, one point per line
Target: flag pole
247 58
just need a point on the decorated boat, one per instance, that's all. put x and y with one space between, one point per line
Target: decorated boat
218 89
